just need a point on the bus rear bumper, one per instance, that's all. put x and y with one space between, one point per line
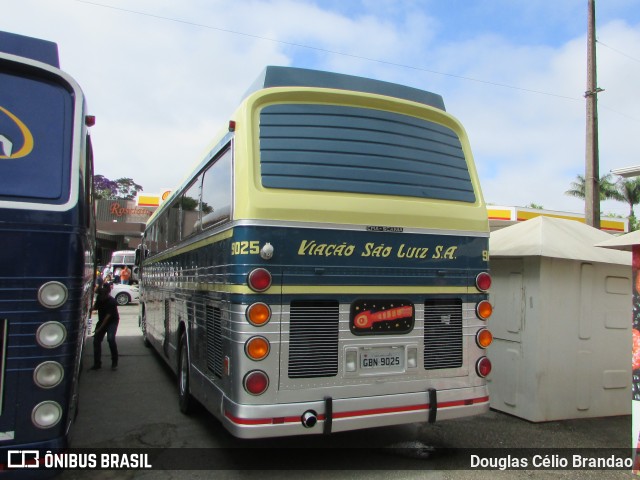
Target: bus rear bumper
343 414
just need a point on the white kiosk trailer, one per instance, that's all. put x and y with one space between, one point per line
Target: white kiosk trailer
562 335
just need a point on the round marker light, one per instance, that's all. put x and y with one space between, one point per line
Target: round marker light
46 414
484 309
483 367
257 348
483 281
256 382
51 334
48 374
52 295
259 280
258 314
484 338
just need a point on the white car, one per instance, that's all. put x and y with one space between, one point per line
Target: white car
125 294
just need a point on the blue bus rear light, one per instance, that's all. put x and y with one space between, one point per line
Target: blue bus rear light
52 295
48 374
46 414
51 334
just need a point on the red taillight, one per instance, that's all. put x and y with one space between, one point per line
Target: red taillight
483 367
484 309
256 382
483 281
259 280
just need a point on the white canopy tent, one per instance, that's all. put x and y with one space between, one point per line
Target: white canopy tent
561 322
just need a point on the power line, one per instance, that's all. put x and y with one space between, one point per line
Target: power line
325 50
618 51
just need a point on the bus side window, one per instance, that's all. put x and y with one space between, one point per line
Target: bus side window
162 231
216 191
152 239
190 202
173 227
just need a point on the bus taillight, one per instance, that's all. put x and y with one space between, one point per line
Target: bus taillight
46 414
483 282
259 279
483 367
256 382
53 294
484 309
484 338
48 374
51 334
258 314
257 348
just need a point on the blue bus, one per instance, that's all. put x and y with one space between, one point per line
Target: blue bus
325 267
47 232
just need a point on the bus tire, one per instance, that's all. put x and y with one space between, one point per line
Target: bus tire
185 399
143 327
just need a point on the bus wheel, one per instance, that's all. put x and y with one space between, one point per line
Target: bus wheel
143 327
184 397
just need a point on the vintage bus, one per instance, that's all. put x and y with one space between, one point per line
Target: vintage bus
47 229
325 266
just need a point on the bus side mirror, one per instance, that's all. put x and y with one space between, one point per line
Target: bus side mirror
138 256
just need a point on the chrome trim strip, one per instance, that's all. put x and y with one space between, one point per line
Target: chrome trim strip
351 227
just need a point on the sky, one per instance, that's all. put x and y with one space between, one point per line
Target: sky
162 77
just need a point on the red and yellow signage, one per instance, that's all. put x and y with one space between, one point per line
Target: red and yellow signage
152 199
520 214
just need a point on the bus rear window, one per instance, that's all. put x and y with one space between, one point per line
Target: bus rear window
36 119
358 150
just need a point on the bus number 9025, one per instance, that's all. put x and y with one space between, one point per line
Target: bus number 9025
245 248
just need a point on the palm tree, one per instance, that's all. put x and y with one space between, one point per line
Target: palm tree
629 192
608 189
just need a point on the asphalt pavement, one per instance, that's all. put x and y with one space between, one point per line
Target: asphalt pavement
136 407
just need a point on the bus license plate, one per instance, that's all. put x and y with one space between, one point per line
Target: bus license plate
385 359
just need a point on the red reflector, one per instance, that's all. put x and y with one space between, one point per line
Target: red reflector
232 125
483 281
483 367
89 120
256 382
259 280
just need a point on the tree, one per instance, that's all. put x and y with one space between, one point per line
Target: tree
608 190
534 206
127 188
104 188
122 188
629 192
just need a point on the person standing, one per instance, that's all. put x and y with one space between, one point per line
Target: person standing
125 275
108 319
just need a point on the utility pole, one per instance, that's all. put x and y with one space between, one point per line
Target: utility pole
592 167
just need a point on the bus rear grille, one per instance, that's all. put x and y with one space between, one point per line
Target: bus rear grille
214 340
313 341
442 334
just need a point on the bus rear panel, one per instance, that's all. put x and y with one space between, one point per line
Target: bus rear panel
47 230
325 269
